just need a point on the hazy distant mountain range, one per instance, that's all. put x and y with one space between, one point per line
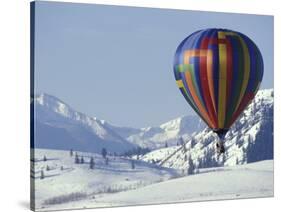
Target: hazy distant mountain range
59 126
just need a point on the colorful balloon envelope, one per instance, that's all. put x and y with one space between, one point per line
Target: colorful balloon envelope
218 71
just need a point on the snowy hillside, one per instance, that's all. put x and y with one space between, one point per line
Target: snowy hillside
250 139
244 181
58 126
65 184
58 179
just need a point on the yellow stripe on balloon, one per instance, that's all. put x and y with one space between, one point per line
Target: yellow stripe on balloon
221 34
246 75
179 83
222 85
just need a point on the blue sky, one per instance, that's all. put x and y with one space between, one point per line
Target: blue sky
115 63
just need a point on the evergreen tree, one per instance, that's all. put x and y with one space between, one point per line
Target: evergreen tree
77 161
230 134
61 168
104 152
42 176
191 167
106 161
47 168
181 141
92 163
44 158
223 158
237 161
192 143
133 164
82 160
71 152
166 144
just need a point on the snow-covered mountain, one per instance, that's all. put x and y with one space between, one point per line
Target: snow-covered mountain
157 137
250 139
58 126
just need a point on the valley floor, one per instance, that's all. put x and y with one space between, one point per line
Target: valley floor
117 184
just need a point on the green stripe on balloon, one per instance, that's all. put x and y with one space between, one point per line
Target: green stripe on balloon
239 80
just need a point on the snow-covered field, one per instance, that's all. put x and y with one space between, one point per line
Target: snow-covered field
117 184
244 181
65 180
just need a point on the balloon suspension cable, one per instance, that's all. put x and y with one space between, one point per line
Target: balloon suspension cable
221 134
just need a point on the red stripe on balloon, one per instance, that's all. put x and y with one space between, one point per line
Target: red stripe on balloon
204 83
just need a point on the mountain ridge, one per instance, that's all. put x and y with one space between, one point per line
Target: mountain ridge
250 139
76 128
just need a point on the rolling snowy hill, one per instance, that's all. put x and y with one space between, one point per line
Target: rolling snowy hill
244 181
250 139
65 181
67 185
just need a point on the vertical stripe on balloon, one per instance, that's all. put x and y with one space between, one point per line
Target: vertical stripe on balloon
204 68
196 99
182 69
222 81
246 70
229 70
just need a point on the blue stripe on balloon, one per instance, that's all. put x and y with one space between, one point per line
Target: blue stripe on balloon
196 62
253 66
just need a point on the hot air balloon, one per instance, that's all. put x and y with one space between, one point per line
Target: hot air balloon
219 72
